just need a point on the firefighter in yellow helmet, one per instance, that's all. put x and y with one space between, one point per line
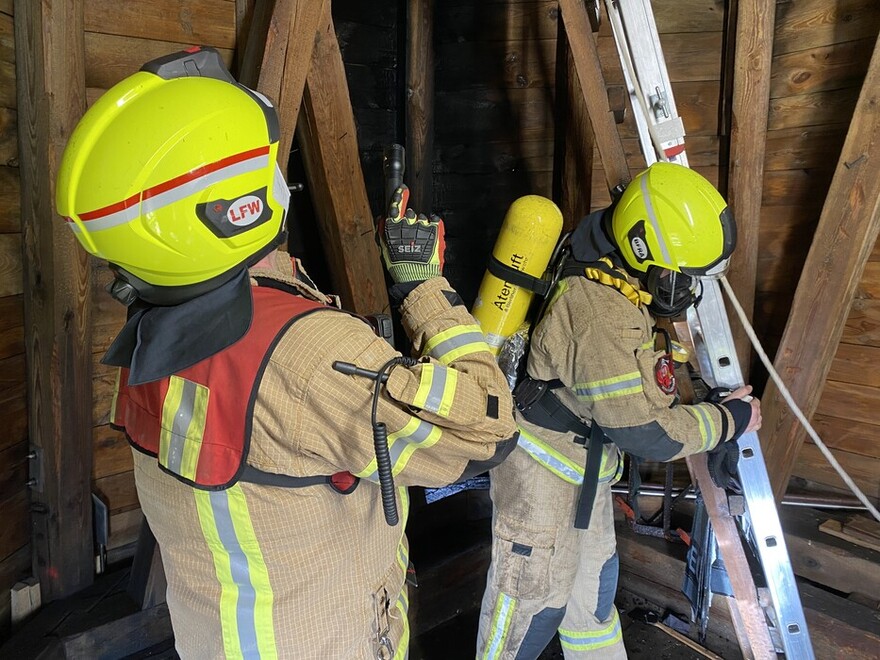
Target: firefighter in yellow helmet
254 458
597 385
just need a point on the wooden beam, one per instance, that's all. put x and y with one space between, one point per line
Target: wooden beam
841 247
755 21
276 56
573 158
420 104
589 70
253 46
751 624
293 21
244 12
839 628
328 138
51 99
141 634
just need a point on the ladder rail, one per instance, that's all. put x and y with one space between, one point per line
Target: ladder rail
723 370
661 130
661 135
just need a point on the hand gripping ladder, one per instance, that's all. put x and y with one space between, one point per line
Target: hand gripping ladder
661 132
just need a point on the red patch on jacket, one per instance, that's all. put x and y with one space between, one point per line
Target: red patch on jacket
664 374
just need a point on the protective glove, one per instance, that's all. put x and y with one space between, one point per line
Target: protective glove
723 462
412 245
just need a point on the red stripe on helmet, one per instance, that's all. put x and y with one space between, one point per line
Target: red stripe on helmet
174 183
113 208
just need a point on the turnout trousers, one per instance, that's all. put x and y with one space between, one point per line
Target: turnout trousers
546 576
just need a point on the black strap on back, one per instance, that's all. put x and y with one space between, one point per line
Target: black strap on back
517 277
540 406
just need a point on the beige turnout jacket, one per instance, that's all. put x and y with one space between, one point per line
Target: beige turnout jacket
601 346
259 571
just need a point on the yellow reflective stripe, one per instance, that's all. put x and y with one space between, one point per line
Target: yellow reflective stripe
403 493
610 463
706 425
400 459
426 379
115 396
192 445
501 618
402 607
246 596
416 434
402 604
448 396
562 466
169 412
183 423
594 639
618 472
609 388
436 391
456 342
559 464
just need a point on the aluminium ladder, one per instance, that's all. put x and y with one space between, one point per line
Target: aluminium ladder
661 135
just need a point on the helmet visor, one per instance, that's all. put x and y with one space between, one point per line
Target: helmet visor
728 244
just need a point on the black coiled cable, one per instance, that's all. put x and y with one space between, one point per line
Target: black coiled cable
380 430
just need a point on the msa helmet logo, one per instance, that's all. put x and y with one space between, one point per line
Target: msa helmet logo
245 210
640 249
638 242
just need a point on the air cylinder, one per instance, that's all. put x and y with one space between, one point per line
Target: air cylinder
526 242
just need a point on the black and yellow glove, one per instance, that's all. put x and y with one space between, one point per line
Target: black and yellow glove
412 245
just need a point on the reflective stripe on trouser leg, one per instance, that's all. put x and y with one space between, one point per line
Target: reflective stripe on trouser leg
591 626
533 558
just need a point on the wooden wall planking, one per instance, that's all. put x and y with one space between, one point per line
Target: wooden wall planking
821 53
119 38
15 554
194 22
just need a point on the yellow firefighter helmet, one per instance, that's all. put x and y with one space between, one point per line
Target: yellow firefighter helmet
171 177
671 217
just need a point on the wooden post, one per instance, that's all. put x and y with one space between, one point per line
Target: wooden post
755 20
573 153
589 70
420 104
328 139
286 57
843 241
251 43
244 12
51 99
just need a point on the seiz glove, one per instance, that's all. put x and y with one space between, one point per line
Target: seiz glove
412 245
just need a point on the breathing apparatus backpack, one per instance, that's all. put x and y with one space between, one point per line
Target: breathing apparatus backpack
516 274
528 260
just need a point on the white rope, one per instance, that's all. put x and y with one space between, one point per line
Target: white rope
794 407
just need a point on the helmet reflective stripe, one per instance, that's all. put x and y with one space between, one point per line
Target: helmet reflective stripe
178 188
652 216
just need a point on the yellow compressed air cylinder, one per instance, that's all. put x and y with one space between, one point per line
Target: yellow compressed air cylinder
526 242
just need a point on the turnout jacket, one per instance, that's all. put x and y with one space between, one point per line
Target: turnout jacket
267 571
601 346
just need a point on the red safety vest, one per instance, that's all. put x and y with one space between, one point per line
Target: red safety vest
198 422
